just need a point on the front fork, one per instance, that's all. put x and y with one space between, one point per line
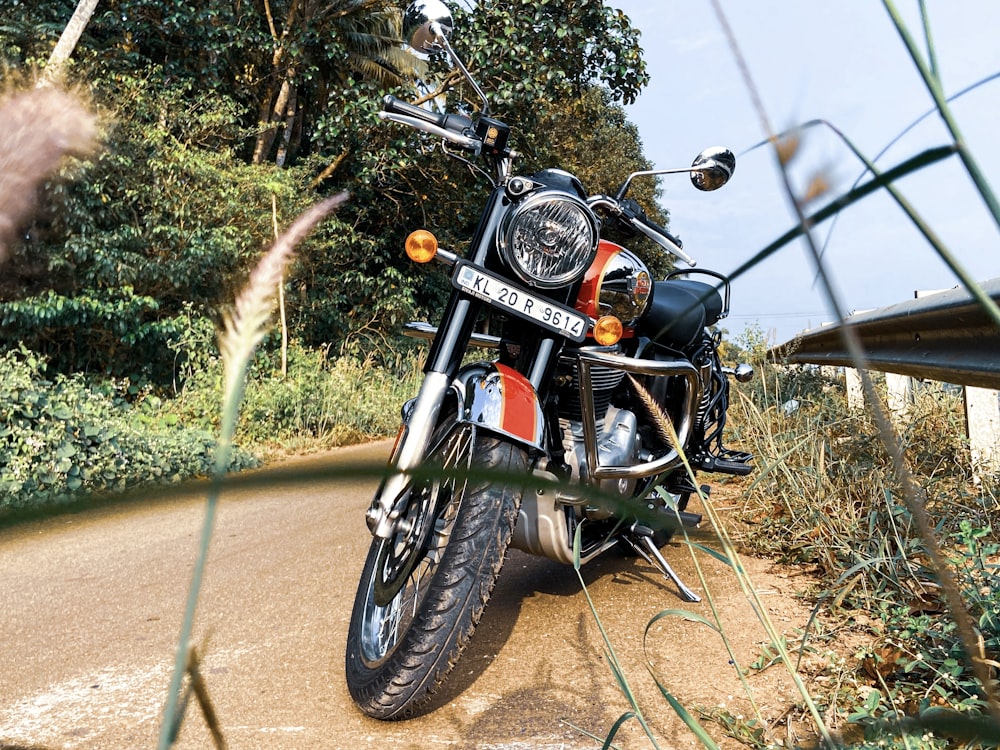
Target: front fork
408 454
489 396
443 361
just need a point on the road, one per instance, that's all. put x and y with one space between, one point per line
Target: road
92 605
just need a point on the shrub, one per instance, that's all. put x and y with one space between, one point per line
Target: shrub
320 402
62 438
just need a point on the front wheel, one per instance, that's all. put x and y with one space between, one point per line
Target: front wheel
423 591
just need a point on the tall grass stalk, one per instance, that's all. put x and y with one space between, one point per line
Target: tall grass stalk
914 498
971 285
929 74
749 591
717 627
244 328
41 126
616 668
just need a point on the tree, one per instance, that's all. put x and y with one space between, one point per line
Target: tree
366 37
550 50
162 223
68 39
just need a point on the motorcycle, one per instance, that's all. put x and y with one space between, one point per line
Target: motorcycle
600 383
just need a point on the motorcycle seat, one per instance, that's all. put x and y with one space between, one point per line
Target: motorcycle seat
679 311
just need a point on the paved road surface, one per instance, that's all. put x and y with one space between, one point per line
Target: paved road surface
92 604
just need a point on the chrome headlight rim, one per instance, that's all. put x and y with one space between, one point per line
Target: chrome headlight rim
579 260
624 287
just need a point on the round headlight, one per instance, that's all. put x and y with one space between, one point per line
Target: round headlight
549 239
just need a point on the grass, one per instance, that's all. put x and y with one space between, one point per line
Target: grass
322 402
827 498
245 327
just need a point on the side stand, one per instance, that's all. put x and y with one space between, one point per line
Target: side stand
641 540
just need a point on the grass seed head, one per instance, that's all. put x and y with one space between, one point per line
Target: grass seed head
787 146
818 186
41 126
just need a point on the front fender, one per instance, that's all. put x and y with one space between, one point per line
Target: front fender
500 399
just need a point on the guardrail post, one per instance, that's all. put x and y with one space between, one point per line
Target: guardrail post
899 395
982 419
855 391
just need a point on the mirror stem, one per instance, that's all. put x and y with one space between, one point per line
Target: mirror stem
443 41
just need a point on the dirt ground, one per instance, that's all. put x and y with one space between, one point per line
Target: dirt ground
93 601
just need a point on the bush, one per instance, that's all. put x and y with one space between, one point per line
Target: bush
320 402
62 438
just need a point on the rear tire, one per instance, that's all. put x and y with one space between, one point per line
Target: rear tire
399 654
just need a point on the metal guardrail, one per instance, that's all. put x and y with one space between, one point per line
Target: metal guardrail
945 337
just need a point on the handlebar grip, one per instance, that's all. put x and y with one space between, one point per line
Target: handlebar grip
399 107
450 122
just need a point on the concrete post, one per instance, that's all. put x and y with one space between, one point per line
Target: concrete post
855 391
982 419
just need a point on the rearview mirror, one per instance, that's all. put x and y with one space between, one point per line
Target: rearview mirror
427 25
712 168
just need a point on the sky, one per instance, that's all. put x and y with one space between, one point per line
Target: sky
843 62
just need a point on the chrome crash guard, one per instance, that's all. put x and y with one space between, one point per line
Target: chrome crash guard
488 395
547 523
586 361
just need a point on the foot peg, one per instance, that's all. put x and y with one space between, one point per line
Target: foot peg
718 465
641 540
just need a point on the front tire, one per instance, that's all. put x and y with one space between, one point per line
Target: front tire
448 557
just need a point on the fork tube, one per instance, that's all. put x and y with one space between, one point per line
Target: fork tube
541 368
460 315
453 335
382 514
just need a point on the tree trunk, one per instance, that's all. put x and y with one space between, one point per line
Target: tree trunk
68 39
290 114
272 107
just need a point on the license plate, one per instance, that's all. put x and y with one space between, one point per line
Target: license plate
517 300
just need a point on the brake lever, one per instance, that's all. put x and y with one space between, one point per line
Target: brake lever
635 217
467 142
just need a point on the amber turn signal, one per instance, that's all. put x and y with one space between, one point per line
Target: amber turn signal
608 330
421 246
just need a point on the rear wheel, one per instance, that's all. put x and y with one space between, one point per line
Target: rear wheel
423 591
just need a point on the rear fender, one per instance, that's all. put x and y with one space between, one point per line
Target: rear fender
498 398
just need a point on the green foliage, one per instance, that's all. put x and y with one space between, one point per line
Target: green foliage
550 50
320 403
283 62
166 217
919 655
62 438
826 482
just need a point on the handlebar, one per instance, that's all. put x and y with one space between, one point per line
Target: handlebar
453 128
450 122
631 215
460 130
